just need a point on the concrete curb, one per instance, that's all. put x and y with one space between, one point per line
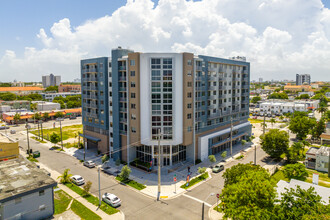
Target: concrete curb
214 215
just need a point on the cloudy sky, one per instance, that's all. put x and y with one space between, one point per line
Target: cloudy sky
279 37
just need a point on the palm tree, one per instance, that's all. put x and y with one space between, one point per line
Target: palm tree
17 117
46 116
65 177
272 121
322 109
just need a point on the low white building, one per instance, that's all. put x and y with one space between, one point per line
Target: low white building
281 106
47 106
318 159
50 96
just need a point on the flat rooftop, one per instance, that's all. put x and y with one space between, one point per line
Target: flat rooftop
20 176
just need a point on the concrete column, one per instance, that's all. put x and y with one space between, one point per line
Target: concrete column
152 155
171 155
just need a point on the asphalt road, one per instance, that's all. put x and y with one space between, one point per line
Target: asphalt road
134 204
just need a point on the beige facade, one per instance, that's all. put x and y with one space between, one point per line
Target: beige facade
134 103
188 98
103 144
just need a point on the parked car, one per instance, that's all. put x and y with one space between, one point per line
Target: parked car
253 114
111 199
12 131
255 117
72 117
273 116
218 168
89 164
78 180
4 127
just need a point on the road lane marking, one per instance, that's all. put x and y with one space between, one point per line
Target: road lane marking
198 200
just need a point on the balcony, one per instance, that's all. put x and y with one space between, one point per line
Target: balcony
236 95
91 87
201 98
122 89
123 109
200 78
199 68
91 79
212 78
245 94
123 78
222 96
123 99
122 68
213 97
211 106
90 70
92 105
236 86
123 120
91 114
222 87
92 97
214 115
245 86
213 87
213 69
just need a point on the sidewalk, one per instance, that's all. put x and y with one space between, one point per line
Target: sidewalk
118 216
170 189
54 174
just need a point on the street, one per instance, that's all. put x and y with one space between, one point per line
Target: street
136 205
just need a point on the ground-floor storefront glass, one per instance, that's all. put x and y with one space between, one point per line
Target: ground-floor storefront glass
170 155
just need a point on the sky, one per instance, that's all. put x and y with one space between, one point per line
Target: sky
279 38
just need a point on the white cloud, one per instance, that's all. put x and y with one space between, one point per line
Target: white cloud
280 38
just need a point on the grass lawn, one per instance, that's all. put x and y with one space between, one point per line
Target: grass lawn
92 199
252 121
32 159
83 212
131 183
196 180
61 201
67 131
37 139
239 157
322 176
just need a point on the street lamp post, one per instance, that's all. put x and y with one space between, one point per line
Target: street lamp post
60 120
42 134
28 141
211 194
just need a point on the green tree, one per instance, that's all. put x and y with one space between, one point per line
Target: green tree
105 158
295 152
318 129
86 188
301 125
55 138
243 142
303 96
212 158
224 154
51 88
277 95
295 171
33 106
275 142
61 102
117 162
201 170
37 116
233 174
7 96
46 116
250 196
17 117
301 204
125 172
322 109
65 177
255 99
272 121
59 115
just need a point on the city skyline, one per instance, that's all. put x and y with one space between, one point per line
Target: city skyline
58 37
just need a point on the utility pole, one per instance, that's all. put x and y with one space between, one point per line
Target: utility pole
60 120
42 133
231 135
255 154
159 151
38 131
328 163
100 199
264 125
28 141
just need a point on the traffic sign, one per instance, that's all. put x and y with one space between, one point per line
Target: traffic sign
218 195
174 179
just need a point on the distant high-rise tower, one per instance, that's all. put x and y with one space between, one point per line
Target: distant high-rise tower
303 78
51 80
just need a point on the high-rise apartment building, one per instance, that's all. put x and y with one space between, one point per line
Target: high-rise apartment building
51 80
191 100
303 78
